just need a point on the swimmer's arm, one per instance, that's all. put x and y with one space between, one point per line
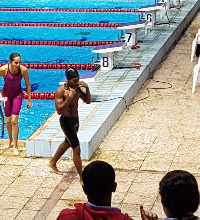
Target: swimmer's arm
2 73
86 97
28 85
3 70
60 103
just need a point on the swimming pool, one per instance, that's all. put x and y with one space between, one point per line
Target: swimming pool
75 4
47 80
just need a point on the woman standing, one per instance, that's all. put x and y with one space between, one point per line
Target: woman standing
13 73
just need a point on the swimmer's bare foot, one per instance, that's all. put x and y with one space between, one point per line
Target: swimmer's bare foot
10 144
15 152
55 169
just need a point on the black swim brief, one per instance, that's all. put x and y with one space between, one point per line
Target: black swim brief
70 128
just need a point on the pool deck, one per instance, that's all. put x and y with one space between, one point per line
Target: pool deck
113 91
155 135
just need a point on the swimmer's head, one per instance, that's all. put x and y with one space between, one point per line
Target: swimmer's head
15 61
13 55
72 76
71 73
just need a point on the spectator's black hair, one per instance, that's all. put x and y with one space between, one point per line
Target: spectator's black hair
98 179
13 55
71 73
180 194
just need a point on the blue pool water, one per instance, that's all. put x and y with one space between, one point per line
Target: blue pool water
67 17
39 33
48 54
48 80
75 3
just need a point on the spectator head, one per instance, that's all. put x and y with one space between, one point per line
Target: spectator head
99 180
179 194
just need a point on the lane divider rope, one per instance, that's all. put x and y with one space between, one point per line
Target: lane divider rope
109 10
34 95
40 95
78 66
42 24
57 43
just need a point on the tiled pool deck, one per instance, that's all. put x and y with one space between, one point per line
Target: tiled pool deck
114 90
155 135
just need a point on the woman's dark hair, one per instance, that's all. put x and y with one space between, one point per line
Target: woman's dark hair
13 55
98 179
179 194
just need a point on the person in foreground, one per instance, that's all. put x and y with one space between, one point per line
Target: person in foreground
179 196
66 101
98 185
13 74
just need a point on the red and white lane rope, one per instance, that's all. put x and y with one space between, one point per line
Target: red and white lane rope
109 10
78 66
34 95
40 95
57 43
42 24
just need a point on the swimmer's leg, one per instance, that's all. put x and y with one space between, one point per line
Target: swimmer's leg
15 128
60 151
7 111
17 103
77 161
9 129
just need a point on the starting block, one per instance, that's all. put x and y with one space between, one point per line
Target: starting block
195 43
131 30
107 54
150 13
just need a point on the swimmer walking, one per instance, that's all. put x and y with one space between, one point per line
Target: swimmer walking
13 74
66 100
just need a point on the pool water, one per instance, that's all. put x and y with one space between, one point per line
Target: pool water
75 3
48 54
48 80
41 33
67 17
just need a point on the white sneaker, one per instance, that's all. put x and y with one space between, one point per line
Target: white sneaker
15 152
